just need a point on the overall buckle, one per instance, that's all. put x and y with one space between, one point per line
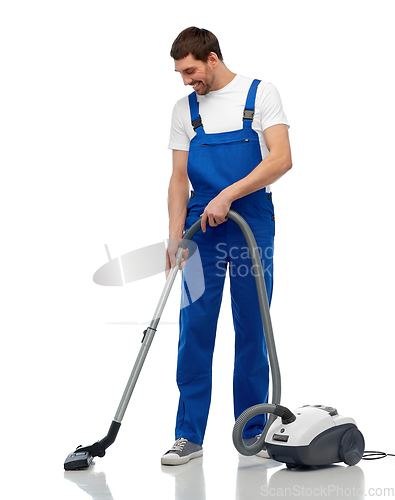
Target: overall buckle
248 114
197 123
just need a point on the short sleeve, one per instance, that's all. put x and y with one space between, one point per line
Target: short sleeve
271 108
179 138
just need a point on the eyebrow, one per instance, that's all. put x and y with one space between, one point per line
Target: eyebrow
185 70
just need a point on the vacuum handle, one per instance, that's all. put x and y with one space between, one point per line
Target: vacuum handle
189 234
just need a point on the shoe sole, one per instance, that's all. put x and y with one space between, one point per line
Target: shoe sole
170 460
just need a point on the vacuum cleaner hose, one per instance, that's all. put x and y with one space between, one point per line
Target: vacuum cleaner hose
274 408
281 411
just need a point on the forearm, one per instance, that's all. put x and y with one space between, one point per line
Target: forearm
266 173
178 196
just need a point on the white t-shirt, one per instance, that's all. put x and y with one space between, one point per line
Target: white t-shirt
222 111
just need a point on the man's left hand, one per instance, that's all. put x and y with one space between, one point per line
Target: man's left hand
215 212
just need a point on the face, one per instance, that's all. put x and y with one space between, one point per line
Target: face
200 75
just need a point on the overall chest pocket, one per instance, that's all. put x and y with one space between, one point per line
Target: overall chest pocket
225 143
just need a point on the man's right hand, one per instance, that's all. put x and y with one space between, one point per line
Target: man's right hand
172 248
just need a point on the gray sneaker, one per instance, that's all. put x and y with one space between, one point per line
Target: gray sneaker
182 452
250 441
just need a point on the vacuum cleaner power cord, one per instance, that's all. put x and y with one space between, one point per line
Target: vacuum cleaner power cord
376 455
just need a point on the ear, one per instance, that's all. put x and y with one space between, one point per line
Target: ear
212 59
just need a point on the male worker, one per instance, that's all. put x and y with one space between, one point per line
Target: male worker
230 141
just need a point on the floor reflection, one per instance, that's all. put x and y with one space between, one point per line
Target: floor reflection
189 480
256 478
333 481
93 483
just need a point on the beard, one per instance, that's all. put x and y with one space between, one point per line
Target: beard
205 87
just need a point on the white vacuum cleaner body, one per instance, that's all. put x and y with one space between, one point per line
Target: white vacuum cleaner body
318 436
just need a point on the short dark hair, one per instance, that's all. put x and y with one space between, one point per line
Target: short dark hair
196 41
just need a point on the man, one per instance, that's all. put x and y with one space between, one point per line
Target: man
230 140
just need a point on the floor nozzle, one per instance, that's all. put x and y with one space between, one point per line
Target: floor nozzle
78 460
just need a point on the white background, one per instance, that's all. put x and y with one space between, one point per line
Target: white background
87 90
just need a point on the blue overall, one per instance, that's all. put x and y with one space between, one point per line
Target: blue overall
214 162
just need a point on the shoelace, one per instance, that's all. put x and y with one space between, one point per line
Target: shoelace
179 444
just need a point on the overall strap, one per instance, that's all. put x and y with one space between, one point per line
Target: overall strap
196 119
249 108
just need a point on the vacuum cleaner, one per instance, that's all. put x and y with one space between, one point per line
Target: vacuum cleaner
308 436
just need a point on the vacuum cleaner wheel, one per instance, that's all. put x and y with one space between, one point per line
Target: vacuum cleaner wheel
352 447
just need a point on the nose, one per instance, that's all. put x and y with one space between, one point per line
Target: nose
187 79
